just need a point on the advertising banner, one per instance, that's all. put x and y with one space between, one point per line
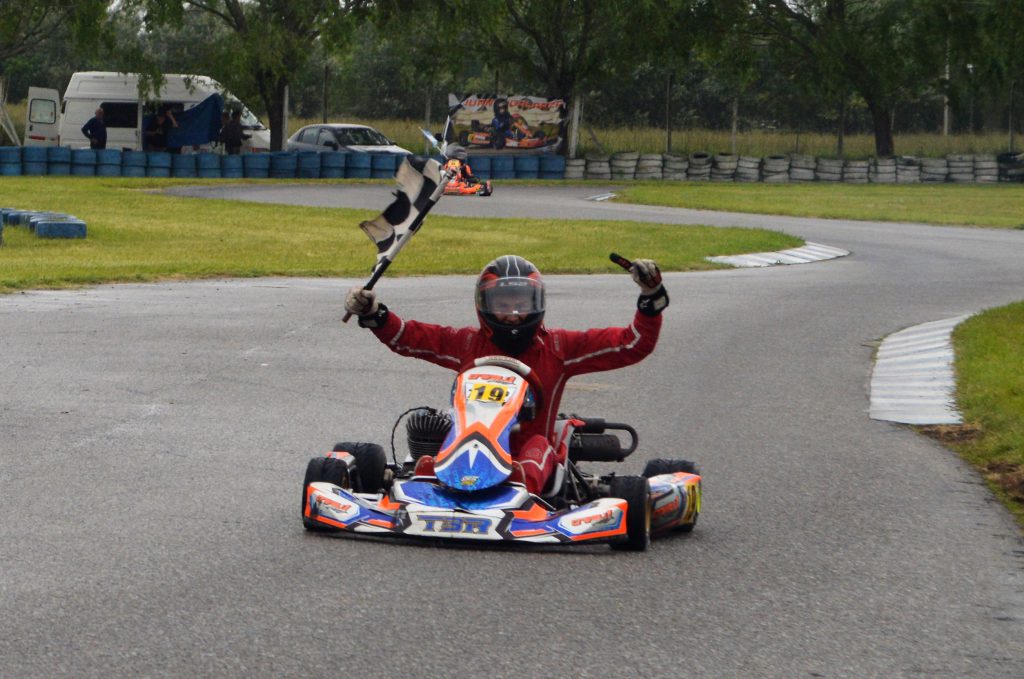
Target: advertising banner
517 124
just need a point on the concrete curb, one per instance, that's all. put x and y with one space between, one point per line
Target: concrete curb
811 252
912 381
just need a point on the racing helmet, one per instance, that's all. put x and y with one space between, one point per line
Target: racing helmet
510 302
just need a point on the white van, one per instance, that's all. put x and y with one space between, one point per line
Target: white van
123 112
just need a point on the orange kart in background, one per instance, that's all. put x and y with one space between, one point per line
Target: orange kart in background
464 183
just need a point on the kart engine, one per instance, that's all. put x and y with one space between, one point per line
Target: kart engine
425 430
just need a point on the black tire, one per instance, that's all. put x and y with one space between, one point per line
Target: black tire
323 469
370 464
636 491
661 466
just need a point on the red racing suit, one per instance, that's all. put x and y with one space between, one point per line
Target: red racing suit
554 356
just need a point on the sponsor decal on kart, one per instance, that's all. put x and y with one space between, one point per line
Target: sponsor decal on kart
596 517
440 524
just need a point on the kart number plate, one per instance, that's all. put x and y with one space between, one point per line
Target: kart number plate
489 393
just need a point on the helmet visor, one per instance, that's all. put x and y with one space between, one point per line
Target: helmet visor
511 296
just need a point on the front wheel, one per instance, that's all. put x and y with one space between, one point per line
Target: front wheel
325 469
636 491
370 464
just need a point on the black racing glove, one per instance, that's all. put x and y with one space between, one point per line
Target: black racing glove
653 297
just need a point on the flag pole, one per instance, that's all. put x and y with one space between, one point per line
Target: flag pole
381 266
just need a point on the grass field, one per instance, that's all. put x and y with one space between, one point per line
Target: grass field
137 234
992 205
990 393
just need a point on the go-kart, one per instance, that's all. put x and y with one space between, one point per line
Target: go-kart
471 492
470 186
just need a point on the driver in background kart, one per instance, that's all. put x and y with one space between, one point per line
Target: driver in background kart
462 171
510 306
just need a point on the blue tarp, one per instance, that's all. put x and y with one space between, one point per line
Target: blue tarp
198 125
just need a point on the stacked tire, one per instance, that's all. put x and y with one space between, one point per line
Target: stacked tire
332 164
208 166
748 169
58 161
828 170
232 166
83 162
598 167
359 166
481 167
10 161
575 168
908 170
308 164
108 163
802 168
383 165
961 168
183 165
776 170
552 167
649 166
1011 167
623 164
699 169
133 164
882 171
527 167
986 168
934 170
855 171
723 167
674 167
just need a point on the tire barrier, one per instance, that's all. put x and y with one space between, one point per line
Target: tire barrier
698 166
723 167
598 167
575 168
527 167
43 224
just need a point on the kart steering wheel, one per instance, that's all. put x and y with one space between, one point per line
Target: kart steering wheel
519 368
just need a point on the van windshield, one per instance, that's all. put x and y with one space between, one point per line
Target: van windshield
249 119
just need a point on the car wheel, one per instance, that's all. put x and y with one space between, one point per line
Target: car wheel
370 464
636 491
328 470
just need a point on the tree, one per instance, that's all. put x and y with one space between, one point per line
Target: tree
267 40
868 47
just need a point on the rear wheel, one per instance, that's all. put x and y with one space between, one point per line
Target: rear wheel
328 470
370 464
662 466
636 491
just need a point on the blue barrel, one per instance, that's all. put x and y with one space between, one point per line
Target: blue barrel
10 169
133 164
332 164
382 165
108 170
83 162
480 166
35 154
108 157
527 167
503 167
158 164
284 164
59 155
255 165
59 226
552 167
358 166
133 159
208 165
231 167
308 165
183 165
9 155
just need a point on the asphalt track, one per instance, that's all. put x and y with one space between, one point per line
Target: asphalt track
155 436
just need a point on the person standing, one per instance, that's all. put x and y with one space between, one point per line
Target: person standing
95 130
232 134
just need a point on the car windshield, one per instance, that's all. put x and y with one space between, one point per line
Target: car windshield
361 136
